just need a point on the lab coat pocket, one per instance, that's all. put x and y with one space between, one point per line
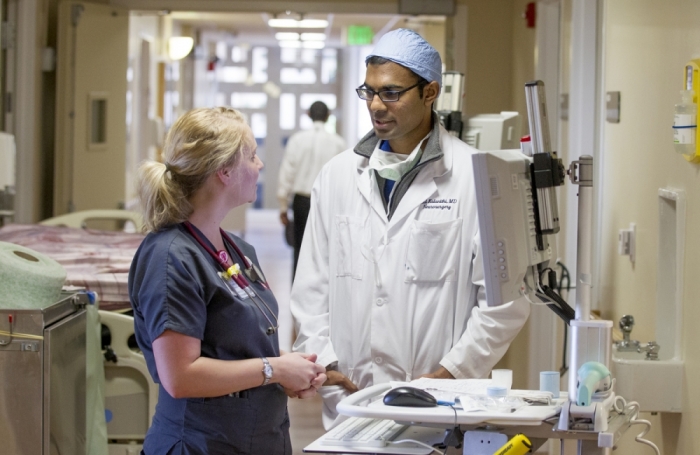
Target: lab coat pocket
349 244
331 395
433 251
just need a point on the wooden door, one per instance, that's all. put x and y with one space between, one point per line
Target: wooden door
90 169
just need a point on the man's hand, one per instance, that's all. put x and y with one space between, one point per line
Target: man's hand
284 218
440 373
338 378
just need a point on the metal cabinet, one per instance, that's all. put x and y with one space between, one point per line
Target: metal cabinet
42 378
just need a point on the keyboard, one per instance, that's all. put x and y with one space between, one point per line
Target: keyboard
363 432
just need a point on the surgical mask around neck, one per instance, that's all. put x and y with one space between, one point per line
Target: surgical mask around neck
393 166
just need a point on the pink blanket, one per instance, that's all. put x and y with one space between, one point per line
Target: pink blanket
96 260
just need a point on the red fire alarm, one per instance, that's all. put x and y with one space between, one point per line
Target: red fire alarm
211 64
530 14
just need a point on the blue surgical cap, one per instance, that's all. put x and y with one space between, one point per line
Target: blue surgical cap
410 50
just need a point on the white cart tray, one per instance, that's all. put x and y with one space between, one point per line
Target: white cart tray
367 403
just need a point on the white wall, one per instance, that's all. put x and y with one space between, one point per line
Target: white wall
647 44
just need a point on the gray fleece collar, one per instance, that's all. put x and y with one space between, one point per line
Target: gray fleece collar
431 152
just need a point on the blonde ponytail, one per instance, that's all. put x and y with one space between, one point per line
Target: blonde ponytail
200 142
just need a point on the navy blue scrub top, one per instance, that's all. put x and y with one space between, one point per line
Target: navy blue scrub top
174 284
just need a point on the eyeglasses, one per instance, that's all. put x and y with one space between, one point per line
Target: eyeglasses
367 94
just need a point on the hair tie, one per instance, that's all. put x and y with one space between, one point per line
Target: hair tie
167 169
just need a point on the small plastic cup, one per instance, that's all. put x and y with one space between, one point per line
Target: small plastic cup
496 391
502 378
549 382
497 399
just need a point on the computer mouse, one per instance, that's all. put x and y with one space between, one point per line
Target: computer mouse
409 396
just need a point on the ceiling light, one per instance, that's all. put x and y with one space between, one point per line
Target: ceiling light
313 36
282 23
290 44
293 23
180 46
286 36
314 44
313 23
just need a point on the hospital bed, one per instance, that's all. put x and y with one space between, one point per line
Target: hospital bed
82 218
98 260
95 259
130 393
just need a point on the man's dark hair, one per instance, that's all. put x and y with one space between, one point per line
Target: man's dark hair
319 111
422 82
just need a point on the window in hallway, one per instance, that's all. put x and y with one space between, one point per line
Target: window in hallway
272 85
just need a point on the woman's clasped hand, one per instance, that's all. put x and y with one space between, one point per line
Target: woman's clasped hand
298 374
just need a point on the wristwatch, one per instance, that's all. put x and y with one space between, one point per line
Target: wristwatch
266 371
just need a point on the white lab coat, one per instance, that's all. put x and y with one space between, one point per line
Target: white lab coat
424 305
306 153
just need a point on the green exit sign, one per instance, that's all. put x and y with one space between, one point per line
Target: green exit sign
359 35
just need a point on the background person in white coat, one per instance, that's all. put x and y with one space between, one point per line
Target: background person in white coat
305 154
390 278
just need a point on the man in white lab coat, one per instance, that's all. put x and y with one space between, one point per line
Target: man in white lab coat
389 284
306 153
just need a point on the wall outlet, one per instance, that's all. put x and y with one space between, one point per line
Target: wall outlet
483 442
627 242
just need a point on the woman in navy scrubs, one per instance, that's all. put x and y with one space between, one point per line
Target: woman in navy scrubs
204 315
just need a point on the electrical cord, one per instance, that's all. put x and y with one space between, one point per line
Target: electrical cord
526 292
527 297
539 279
552 297
546 301
633 407
552 306
568 311
565 275
564 364
21 335
427 446
539 292
558 305
544 270
454 437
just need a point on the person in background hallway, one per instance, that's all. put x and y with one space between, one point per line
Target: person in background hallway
392 287
305 155
204 316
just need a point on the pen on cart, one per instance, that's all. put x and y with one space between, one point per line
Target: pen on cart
442 398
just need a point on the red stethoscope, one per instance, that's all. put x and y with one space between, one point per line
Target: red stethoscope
233 273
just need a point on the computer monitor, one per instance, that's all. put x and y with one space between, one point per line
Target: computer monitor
493 131
510 239
517 207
